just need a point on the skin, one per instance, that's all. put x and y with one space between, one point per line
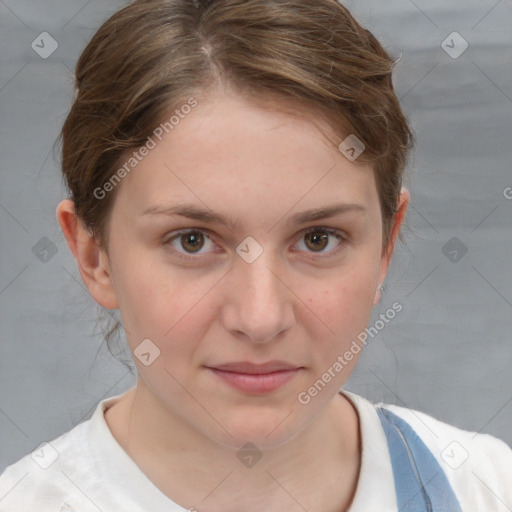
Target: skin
181 424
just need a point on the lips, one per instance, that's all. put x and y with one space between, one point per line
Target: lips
255 379
249 368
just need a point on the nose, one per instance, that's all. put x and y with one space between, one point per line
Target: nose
259 302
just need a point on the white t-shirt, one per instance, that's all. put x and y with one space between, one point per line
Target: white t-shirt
86 470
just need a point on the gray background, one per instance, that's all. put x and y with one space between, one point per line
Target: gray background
448 353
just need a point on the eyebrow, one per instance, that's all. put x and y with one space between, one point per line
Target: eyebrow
208 216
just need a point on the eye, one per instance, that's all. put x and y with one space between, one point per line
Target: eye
317 239
190 239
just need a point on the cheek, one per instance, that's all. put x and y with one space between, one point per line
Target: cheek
164 304
346 297
341 310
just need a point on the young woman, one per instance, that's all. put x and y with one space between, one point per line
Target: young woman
235 175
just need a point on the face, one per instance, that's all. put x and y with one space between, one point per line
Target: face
269 286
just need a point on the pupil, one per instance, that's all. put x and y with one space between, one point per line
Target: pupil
195 242
318 238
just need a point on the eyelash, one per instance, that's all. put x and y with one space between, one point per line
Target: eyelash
334 232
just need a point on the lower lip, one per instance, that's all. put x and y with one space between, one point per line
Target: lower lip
256 384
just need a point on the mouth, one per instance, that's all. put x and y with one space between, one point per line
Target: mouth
255 379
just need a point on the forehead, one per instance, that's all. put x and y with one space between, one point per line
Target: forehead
232 154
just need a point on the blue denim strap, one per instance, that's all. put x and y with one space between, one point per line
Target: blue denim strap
420 483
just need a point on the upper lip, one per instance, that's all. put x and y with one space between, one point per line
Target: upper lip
256 369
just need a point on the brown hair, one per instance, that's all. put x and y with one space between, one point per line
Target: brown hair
154 55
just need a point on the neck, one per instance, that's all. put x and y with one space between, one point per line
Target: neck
316 470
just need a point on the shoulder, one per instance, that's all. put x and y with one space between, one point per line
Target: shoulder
478 466
46 480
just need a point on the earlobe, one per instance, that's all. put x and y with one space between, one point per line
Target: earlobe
91 259
377 296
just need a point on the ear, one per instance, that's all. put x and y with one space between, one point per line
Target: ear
92 261
387 253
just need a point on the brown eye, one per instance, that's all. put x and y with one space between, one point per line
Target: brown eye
189 241
193 240
317 240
